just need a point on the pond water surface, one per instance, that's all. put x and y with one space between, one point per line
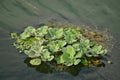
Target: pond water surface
15 15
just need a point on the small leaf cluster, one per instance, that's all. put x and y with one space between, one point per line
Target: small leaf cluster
64 45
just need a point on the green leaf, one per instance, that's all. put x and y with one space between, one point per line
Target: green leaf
97 50
69 36
42 31
69 50
103 52
65 57
37 48
68 61
86 43
54 33
53 46
59 33
61 43
35 51
79 54
46 56
84 50
27 32
88 54
59 59
35 61
77 61
68 32
76 46
31 53
26 44
84 62
75 32
50 58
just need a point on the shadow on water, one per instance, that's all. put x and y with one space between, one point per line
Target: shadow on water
51 67
48 67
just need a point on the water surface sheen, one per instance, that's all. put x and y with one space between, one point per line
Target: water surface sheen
15 15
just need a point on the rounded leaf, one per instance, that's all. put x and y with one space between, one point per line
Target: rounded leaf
36 61
69 50
27 32
53 46
42 30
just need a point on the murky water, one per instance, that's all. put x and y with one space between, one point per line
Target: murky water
15 15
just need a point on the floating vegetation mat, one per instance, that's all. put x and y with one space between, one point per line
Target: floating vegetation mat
62 46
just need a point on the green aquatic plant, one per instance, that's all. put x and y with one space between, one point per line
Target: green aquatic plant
64 45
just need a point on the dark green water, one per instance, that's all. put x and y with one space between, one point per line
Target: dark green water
15 15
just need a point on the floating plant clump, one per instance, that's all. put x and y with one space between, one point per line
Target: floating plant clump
66 46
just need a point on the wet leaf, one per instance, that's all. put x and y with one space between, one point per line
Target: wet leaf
35 61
